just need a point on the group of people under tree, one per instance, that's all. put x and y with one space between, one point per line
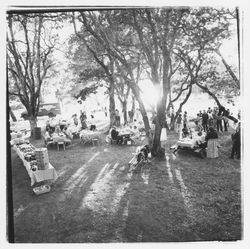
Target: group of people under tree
210 118
132 134
84 121
212 122
62 127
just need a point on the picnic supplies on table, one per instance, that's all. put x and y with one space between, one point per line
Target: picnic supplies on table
42 158
34 171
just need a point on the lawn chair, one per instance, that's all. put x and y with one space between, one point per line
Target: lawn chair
60 141
95 141
47 143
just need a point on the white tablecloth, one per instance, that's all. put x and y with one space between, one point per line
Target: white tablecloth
87 135
191 143
38 175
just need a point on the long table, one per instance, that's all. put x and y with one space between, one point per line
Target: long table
191 143
38 175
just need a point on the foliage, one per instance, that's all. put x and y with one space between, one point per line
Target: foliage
30 42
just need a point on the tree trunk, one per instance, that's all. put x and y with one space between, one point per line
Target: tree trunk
33 125
229 70
12 115
160 122
111 103
133 107
124 109
136 92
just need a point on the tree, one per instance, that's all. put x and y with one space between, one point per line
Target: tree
30 43
103 28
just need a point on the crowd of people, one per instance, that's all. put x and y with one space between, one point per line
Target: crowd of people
206 118
211 122
68 129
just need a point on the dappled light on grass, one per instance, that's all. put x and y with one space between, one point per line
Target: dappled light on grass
80 176
170 175
145 176
103 194
185 194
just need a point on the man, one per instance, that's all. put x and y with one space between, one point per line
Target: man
117 117
236 143
185 120
178 123
115 136
219 122
204 120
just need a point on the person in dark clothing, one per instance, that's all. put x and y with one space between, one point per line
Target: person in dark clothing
115 136
211 134
204 120
185 120
92 123
236 144
225 122
131 115
117 118
83 119
219 122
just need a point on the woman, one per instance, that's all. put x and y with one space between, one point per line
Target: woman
212 143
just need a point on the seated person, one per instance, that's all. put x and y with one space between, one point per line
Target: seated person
115 136
185 132
58 131
198 127
200 140
68 133
47 135
62 124
69 136
135 133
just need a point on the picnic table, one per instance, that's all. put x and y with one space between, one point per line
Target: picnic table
87 136
38 175
191 142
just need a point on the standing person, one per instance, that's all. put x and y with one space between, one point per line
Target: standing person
219 122
178 123
225 122
105 111
75 120
92 123
209 110
131 115
238 115
117 118
172 123
83 118
185 120
236 143
204 120
212 144
210 117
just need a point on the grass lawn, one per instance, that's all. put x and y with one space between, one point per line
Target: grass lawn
96 198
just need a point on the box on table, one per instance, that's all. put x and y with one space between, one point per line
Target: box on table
42 158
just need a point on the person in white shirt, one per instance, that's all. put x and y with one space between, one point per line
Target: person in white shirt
92 123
